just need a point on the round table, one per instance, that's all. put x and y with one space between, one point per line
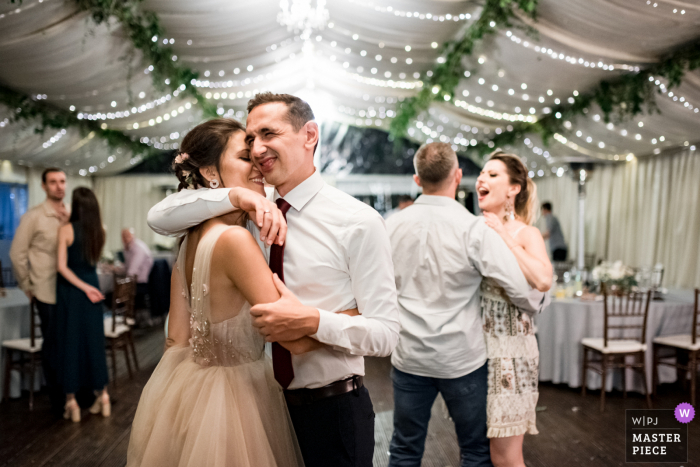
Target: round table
14 324
565 322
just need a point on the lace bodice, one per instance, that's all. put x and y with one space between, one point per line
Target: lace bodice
230 342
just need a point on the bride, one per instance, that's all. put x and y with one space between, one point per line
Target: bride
213 400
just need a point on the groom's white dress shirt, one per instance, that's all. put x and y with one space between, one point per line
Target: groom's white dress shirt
441 252
337 256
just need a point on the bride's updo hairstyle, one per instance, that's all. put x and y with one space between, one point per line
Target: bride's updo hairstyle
525 204
203 146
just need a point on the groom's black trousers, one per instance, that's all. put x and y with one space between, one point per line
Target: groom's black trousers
337 431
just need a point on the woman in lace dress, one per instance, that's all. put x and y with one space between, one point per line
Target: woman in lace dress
213 400
508 200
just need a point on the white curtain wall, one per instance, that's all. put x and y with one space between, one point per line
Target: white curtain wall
643 212
125 201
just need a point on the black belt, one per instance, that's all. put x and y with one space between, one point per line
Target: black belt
307 396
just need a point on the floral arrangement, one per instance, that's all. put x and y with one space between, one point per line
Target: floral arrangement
617 275
107 257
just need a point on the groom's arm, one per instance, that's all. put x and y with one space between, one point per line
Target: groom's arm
375 332
179 212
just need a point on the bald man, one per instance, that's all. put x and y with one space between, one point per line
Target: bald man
138 261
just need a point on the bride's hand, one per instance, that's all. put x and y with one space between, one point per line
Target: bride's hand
273 227
495 223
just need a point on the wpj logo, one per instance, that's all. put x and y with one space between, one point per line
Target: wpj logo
656 435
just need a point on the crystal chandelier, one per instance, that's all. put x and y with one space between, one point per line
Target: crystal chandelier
300 15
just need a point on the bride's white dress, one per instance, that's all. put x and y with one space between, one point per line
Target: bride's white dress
214 402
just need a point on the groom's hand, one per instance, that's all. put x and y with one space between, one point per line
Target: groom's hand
287 319
265 214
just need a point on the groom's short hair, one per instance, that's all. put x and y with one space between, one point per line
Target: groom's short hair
298 111
434 163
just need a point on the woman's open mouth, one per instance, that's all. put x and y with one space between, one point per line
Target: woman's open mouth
482 193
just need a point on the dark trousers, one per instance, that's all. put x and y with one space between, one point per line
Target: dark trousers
466 401
141 292
47 315
337 431
559 254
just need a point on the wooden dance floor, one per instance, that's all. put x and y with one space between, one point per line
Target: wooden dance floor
572 430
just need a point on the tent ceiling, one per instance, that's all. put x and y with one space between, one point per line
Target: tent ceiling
353 71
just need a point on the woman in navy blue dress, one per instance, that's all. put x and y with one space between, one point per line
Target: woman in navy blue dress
81 361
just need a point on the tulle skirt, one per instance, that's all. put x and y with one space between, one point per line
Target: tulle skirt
190 415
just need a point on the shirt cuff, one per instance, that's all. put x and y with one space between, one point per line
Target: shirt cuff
329 324
25 286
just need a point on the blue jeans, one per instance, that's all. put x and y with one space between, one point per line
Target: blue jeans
466 401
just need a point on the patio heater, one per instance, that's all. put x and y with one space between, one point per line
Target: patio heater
581 172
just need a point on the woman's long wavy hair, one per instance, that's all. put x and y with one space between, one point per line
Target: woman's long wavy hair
85 214
525 204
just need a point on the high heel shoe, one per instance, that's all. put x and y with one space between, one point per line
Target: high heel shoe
102 404
72 411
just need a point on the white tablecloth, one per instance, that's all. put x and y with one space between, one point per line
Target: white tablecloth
565 322
14 324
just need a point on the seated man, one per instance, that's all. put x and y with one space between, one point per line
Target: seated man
138 261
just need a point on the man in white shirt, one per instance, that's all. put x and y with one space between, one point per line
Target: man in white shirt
404 202
441 252
336 256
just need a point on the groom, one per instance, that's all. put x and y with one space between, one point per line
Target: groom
336 256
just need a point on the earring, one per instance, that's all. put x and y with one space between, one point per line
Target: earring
510 215
214 183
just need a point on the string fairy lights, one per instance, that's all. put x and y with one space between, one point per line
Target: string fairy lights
569 58
413 14
48 143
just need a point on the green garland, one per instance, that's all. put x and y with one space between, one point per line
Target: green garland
141 28
441 84
26 109
619 99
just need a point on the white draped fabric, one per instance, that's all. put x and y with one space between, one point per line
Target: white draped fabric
125 201
643 212
355 70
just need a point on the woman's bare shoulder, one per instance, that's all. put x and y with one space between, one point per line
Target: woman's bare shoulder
66 231
236 239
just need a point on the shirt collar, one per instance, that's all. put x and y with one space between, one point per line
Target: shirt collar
436 200
302 193
49 210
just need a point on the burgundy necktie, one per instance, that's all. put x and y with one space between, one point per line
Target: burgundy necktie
281 357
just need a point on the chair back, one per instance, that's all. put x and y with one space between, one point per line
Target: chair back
696 312
625 312
123 299
34 322
2 276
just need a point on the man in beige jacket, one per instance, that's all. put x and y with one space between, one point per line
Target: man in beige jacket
33 254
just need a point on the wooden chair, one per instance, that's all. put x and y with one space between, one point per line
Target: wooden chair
26 347
686 345
629 313
118 326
